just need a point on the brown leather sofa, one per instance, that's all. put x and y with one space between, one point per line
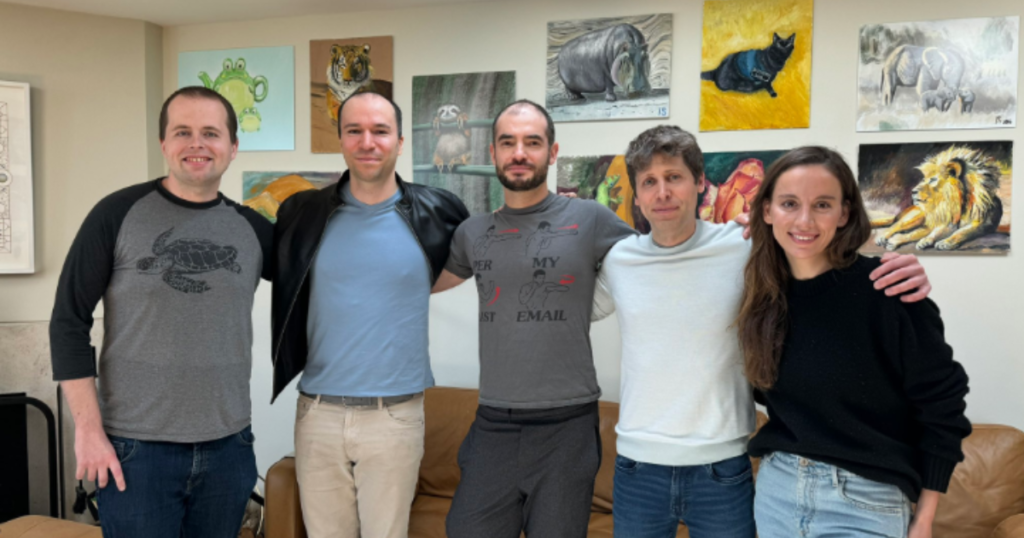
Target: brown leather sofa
985 498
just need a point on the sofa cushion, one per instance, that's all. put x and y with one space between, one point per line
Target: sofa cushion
448 413
987 487
426 520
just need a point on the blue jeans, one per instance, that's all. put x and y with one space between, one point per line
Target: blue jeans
179 490
714 500
801 497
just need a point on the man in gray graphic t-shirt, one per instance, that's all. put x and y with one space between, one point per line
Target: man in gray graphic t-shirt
176 265
530 458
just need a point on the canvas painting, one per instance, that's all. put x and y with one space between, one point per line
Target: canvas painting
266 191
452 119
756 65
17 224
733 180
260 85
338 69
611 68
948 74
941 198
603 178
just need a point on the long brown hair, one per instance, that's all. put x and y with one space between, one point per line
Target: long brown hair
763 319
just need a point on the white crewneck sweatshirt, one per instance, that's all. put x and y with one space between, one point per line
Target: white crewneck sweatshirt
684 399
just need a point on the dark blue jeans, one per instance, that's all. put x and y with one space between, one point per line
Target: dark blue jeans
179 490
714 500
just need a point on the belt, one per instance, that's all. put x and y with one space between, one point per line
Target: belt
362 401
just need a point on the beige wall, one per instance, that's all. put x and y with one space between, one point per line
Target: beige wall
89 128
97 84
94 81
980 297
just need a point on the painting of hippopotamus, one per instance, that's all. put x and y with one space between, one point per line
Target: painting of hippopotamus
609 68
603 60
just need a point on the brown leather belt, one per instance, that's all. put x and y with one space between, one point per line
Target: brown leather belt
362 401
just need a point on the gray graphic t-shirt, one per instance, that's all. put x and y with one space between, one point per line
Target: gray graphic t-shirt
535 270
177 280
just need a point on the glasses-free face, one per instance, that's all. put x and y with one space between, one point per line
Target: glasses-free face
197 144
520 150
667 193
369 138
805 210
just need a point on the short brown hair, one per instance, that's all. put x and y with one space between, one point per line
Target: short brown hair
667 140
200 92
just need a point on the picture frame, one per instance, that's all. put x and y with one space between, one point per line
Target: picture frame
17 217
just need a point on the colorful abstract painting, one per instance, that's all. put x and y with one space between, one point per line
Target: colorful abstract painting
941 198
338 69
260 85
756 65
948 74
611 68
603 178
266 191
452 120
733 180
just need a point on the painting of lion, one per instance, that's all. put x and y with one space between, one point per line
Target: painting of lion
956 201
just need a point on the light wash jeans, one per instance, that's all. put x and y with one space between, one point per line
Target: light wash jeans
805 498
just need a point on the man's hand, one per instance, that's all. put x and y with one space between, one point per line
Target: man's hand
900 273
96 457
743 219
93 451
920 529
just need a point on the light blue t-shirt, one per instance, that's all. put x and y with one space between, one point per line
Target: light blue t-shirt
368 306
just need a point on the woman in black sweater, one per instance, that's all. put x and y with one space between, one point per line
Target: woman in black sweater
865 400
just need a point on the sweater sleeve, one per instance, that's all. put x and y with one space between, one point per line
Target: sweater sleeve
83 281
936 385
604 304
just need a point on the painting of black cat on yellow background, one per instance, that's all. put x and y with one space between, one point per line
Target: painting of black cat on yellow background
756 65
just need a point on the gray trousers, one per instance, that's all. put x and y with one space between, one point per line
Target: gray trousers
527 470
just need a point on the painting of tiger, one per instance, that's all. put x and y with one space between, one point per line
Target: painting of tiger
348 73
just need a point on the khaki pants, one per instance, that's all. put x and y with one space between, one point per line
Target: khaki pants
357 467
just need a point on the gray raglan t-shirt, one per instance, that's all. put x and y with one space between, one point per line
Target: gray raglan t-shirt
177 281
535 269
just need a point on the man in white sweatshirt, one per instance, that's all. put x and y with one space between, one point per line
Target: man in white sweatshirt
686 409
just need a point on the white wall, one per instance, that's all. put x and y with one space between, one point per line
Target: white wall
977 294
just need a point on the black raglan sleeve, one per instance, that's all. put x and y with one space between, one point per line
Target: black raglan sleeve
83 281
264 230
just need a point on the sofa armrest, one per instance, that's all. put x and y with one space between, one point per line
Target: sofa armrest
283 511
1011 527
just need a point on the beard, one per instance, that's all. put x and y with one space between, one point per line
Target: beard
540 177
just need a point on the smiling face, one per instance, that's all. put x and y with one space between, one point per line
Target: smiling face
667 193
369 138
805 210
197 144
520 151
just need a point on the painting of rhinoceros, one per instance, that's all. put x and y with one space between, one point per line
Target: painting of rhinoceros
611 68
947 74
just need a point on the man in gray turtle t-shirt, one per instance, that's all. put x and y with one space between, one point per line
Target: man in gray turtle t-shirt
530 458
176 265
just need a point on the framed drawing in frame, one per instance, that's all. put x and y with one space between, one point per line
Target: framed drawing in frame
17 227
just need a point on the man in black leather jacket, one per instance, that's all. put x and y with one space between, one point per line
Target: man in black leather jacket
354 267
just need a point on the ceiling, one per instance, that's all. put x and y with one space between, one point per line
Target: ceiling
180 12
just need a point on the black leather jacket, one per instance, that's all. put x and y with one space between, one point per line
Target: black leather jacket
432 214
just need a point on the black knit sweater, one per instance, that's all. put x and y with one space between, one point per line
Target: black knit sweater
866 383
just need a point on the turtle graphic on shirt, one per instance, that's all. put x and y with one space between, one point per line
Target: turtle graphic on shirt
187 257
